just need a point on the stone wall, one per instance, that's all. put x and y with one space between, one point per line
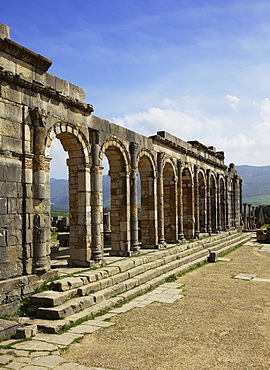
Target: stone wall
186 189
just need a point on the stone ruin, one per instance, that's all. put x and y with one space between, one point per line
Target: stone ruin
263 236
186 189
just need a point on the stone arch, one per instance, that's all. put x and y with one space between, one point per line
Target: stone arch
222 204
75 143
119 163
146 167
188 204
71 135
202 201
114 142
213 202
170 201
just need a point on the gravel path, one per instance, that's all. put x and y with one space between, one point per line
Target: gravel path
221 323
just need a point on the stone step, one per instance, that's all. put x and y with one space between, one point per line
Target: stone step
55 298
133 276
107 297
125 283
98 279
54 326
51 298
127 264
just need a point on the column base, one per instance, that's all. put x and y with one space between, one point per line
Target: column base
155 246
117 253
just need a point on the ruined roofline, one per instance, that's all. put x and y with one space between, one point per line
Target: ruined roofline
186 147
42 85
45 90
12 48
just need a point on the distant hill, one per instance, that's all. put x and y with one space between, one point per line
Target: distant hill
59 195
256 188
256 183
60 198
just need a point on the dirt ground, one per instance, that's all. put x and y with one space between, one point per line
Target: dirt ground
221 323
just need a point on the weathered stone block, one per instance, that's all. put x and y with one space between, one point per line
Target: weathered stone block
3 239
66 284
66 309
213 256
52 298
7 328
26 332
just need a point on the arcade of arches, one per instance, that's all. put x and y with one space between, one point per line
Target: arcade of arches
186 190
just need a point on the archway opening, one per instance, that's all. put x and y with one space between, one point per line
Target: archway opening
202 203
79 196
213 204
233 206
119 203
59 205
147 212
188 205
106 196
170 204
222 207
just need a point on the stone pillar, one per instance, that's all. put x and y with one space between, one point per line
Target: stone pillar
80 213
245 215
249 217
227 207
209 219
238 201
41 196
96 202
181 236
197 203
134 199
253 217
160 200
218 207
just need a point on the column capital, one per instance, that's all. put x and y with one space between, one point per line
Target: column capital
161 157
94 135
133 148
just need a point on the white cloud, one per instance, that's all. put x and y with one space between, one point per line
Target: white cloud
156 119
233 100
242 143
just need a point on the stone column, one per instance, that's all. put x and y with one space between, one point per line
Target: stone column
181 236
209 219
218 207
240 201
249 217
253 217
227 207
96 202
134 199
245 215
197 204
160 199
41 196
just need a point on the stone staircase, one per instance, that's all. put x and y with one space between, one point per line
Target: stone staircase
75 298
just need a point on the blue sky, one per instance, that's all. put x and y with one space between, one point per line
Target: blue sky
198 69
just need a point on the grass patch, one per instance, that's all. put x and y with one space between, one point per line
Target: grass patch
171 278
233 249
54 235
63 214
